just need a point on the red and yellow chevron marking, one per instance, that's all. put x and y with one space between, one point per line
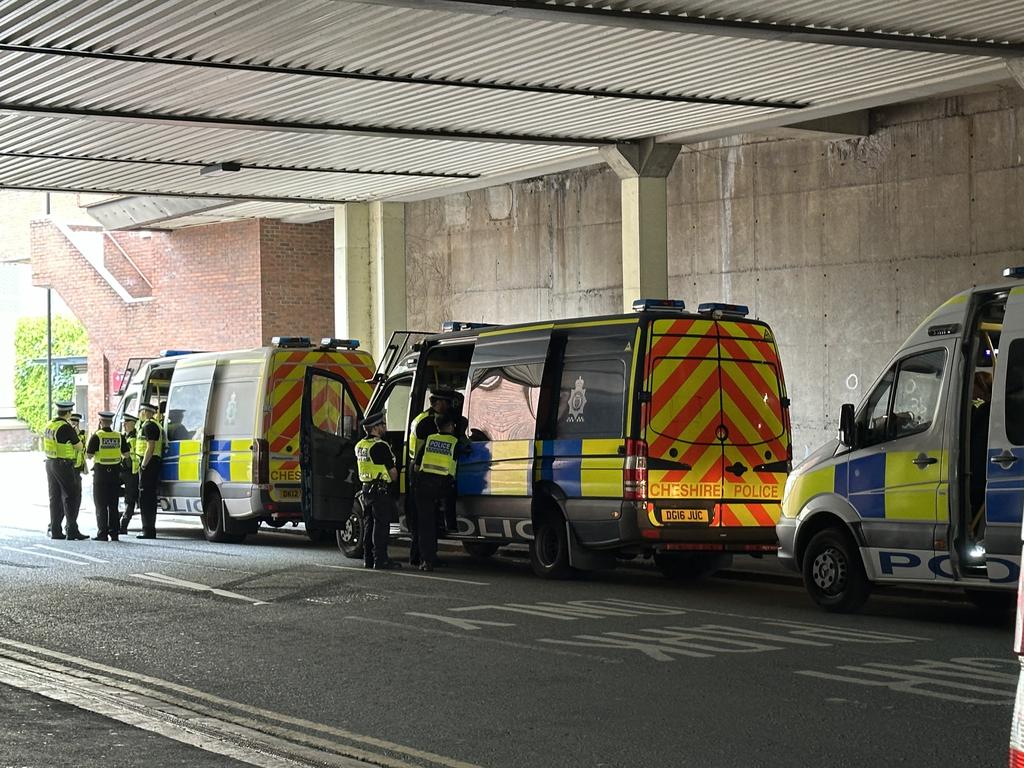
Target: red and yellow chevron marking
749 515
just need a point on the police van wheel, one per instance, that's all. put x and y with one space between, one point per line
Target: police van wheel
549 550
833 572
350 536
213 520
479 550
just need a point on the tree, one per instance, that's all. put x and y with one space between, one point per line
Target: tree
69 338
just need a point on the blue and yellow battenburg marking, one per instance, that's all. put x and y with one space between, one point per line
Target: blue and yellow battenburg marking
231 460
590 468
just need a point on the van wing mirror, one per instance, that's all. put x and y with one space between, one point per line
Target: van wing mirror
847 425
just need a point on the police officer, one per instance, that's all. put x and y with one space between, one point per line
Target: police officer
150 445
435 481
422 427
107 449
377 472
80 466
59 443
130 472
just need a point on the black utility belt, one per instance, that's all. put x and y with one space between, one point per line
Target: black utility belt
63 461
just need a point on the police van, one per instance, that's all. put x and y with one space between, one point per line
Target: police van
925 483
659 433
231 428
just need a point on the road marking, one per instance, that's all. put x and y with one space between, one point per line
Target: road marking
256 727
471 625
200 565
73 554
397 572
581 609
170 581
964 680
43 554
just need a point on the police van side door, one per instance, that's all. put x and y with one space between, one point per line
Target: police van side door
185 439
328 433
1004 488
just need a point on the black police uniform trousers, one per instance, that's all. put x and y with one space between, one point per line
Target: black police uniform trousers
106 482
432 491
149 476
131 496
378 511
60 481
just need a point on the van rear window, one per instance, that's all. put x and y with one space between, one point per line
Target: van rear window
751 402
1014 397
590 399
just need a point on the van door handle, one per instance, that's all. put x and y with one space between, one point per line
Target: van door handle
1004 459
923 460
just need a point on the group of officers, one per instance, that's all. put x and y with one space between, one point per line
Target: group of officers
131 458
432 460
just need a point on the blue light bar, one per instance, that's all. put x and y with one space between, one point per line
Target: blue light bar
288 342
1017 273
717 308
662 305
330 343
450 326
177 352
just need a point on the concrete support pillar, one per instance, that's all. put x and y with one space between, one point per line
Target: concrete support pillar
643 169
1016 67
369 272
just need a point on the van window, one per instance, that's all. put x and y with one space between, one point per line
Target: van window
233 409
917 392
503 402
397 405
1014 395
874 418
333 409
186 410
590 399
128 405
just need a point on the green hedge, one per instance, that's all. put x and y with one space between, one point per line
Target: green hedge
30 379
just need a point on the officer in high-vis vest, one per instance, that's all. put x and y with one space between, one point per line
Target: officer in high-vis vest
378 473
130 472
150 446
435 482
441 402
107 449
81 468
59 444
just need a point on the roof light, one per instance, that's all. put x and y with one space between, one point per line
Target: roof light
661 305
289 342
450 326
1017 273
718 309
177 352
329 343
218 169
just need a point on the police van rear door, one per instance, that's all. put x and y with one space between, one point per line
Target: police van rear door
328 434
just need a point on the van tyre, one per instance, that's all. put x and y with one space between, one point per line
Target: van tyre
549 550
690 566
834 573
350 535
480 550
214 528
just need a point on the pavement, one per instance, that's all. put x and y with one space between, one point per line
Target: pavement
280 652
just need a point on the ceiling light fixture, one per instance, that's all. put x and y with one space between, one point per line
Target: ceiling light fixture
219 168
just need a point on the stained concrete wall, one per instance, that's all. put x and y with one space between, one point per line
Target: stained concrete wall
842 246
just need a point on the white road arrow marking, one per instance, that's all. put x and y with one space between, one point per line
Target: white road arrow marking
43 554
73 554
170 581
470 624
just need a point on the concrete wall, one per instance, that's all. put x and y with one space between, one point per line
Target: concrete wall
842 246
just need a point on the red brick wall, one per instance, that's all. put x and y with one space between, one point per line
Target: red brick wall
215 287
297 262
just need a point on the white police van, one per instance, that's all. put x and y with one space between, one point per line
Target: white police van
925 483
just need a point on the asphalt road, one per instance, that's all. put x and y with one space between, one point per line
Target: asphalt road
278 652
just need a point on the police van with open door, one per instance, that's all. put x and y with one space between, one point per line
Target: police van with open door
925 483
231 429
661 433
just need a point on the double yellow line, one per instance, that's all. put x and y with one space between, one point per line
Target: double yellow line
243 732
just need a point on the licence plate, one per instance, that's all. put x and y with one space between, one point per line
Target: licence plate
686 516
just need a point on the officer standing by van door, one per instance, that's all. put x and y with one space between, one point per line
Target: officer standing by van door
422 427
378 473
80 467
130 472
59 441
435 480
107 449
151 448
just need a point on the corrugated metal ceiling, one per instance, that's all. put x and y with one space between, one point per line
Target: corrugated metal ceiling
334 100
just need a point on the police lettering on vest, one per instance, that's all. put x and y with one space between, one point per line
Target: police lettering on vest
439 455
51 447
109 453
369 470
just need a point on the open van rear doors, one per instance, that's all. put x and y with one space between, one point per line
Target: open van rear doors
330 419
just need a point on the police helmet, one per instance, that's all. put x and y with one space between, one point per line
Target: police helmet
373 420
64 406
443 393
147 407
129 419
75 417
106 415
